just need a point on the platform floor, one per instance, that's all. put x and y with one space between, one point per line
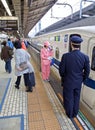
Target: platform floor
39 110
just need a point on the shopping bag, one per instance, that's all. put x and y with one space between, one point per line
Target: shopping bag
32 78
23 65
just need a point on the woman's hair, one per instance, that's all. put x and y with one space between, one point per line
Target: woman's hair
9 39
4 43
17 44
45 46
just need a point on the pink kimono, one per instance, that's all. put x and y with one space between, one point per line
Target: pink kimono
45 62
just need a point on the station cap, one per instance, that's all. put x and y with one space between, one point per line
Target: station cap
76 39
46 43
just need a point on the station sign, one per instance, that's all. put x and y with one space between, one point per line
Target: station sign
8 23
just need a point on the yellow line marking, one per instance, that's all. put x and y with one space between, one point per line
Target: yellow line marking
60 96
75 119
78 124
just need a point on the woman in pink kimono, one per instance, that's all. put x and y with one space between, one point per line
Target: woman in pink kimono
46 55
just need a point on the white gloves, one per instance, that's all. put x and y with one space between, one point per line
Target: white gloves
49 58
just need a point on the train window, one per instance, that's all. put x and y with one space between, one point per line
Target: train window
93 59
70 49
57 38
57 53
66 38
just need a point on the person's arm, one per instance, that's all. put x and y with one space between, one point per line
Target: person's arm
86 68
62 66
43 56
17 61
2 54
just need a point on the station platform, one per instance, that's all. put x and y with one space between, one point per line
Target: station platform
37 110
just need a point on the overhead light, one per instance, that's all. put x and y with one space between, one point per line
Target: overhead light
6 7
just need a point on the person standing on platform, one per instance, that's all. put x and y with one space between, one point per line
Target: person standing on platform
10 44
23 67
5 55
74 68
23 46
46 55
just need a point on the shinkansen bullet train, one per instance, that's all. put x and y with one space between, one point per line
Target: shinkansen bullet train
60 41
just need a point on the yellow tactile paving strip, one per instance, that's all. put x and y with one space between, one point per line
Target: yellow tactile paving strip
40 112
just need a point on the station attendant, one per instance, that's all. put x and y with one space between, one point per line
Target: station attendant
46 55
74 68
10 44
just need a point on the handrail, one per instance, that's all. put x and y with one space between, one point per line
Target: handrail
64 4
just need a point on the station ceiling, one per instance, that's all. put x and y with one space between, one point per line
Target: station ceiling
29 12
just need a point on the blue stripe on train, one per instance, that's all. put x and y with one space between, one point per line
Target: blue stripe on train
90 83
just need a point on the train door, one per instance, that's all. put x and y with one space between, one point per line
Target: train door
57 53
93 59
88 89
91 54
70 49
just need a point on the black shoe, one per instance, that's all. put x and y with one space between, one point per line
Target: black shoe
16 86
29 90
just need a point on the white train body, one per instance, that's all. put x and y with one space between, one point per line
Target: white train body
60 41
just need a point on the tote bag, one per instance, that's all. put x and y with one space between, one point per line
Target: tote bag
23 65
32 79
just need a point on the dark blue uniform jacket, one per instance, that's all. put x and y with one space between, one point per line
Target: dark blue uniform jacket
74 68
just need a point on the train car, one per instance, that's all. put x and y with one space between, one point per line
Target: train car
60 41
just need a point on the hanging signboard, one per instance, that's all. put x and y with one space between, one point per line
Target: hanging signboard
8 23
